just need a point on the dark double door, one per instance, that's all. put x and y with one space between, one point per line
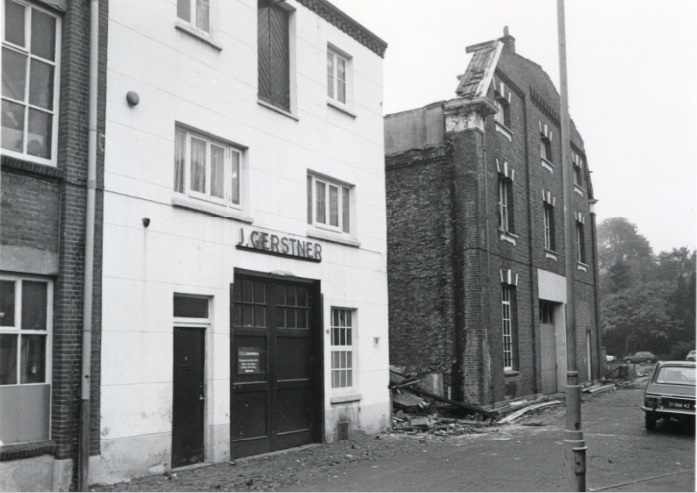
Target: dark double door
276 365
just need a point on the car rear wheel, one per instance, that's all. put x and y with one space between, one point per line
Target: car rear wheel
650 422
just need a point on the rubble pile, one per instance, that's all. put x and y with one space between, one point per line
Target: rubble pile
437 425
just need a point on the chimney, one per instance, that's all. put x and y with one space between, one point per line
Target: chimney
508 41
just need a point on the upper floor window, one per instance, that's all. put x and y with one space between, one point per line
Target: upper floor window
207 169
577 161
505 205
548 218
337 76
545 148
328 204
195 12
30 79
580 243
273 37
25 328
503 115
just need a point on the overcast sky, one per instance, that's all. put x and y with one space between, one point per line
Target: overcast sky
632 68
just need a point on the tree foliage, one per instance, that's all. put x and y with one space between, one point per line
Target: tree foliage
648 301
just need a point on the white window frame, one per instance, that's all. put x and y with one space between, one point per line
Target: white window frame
56 64
333 80
17 330
507 322
193 20
229 154
503 204
502 115
345 368
344 205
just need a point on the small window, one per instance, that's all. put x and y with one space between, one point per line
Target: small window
503 115
328 204
190 307
25 331
545 148
578 169
342 337
337 76
30 80
505 205
546 312
548 218
195 12
273 38
207 169
580 243
508 325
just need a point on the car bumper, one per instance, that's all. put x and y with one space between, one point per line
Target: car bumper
663 412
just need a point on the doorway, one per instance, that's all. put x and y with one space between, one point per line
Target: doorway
548 348
275 364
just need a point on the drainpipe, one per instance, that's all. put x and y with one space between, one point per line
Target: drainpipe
85 410
596 286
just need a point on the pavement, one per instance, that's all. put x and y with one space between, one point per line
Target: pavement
526 455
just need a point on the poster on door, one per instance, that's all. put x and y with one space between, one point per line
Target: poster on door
249 361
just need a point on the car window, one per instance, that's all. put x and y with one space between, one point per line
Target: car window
676 375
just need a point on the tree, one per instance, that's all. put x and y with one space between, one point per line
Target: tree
624 255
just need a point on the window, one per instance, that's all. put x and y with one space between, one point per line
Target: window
546 312
578 169
273 54
342 348
580 243
503 115
30 54
25 328
328 204
507 295
207 169
337 76
505 204
546 149
195 12
548 217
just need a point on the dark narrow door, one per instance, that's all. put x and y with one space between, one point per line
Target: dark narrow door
188 402
275 366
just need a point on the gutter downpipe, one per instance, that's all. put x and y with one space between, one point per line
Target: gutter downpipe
85 410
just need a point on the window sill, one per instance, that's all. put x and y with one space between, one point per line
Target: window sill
198 34
547 165
348 240
579 191
503 129
511 373
340 107
581 266
551 255
31 167
278 110
342 399
506 236
26 450
212 209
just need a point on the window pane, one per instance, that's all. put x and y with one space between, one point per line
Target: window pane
43 35
235 179
260 316
330 74
198 165
33 359
247 315
190 307
309 200
7 303
302 319
217 171
41 85
8 359
184 9
39 135
259 292
14 74
34 303
290 318
202 15
341 80
302 296
179 157
333 206
290 293
247 291
345 203
320 203
12 126
14 24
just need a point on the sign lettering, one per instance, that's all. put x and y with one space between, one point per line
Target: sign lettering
281 245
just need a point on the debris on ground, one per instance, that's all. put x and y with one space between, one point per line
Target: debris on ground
513 416
599 387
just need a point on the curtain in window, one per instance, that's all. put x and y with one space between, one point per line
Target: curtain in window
235 178
217 171
320 203
179 157
198 165
345 204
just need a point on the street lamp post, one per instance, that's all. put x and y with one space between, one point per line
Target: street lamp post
574 444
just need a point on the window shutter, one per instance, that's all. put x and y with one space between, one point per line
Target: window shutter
280 57
264 50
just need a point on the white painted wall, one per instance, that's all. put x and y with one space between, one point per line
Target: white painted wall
552 287
181 79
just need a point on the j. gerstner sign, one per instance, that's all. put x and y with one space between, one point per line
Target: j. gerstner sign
280 245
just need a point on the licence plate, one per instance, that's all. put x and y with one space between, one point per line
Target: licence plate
680 405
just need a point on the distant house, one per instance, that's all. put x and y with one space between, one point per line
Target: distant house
476 237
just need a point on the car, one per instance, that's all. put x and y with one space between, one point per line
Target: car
690 356
640 357
670 393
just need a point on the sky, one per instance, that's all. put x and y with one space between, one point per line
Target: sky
632 77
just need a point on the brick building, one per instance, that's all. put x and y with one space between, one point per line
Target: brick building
476 237
44 160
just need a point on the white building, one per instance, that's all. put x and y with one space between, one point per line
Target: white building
244 266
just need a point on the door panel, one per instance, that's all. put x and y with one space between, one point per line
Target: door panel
549 358
188 399
275 402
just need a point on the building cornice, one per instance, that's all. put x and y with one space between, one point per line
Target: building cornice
336 17
539 101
